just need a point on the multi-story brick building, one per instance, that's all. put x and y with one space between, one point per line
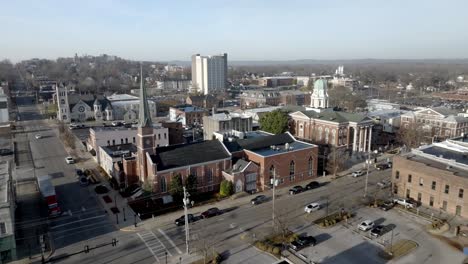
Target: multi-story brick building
435 175
260 98
202 101
188 115
440 122
338 129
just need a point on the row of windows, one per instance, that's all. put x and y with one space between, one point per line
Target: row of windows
458 208
134 141
433 184
208 175
292 169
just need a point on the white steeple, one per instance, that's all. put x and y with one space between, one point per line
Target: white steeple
319 97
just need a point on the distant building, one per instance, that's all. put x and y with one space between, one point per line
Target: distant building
319 98
302 80
276 81
435 175
175 131
7 214
389 119
378 104
294 97
440 122
260 98
5 127
209 73
202 101
224 123
188 115
126 107
176 85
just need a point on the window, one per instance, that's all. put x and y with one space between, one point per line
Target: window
421 181
433 187
407 193
134 141
431 201
108 142
460 193
121 141
291 170
447 189
2 228
444 205
419 197
311 166
126 140
165 136
410 178
163 185
458 210
159 136
209 174
397 175
113 142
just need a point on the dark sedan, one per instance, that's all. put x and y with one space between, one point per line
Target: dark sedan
302 242
377 231
312 185
387 205
258 199
181 220
296 190
211 212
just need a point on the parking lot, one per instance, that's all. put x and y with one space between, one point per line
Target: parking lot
344 243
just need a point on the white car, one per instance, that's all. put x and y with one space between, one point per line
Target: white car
366 225
38 136
358 173
69 160
312 207
384 184
406 203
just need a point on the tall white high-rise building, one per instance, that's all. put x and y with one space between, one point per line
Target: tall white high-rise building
209 73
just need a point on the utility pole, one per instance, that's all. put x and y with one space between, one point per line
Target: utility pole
187 234
274 182
367 174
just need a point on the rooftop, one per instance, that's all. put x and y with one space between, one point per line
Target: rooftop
188 108
335 116
120 150
226 117
121 97
441 165
176 156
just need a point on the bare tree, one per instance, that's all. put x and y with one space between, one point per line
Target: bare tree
336 160
412 135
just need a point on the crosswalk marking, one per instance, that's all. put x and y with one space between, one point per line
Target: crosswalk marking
155 246
170 241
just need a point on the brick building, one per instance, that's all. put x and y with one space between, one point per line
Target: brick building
202 101
435 175
260 98
280 156
188 115
338 129
440 122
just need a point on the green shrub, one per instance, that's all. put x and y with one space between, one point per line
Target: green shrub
270 249
333 222
226 188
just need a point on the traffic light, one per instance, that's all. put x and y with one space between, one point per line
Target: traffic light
114 242
86 249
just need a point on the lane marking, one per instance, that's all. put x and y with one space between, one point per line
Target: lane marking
170 241
81 220
154 255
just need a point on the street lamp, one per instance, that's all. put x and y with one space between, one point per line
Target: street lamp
186 202
274 182
368 161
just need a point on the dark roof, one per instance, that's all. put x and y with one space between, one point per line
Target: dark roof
184 155
88 99
259 142
119 150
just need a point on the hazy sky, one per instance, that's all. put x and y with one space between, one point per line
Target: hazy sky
245 29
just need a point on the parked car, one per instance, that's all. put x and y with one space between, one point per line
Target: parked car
387 205
302 242
6 152
69 160
312 207
366 225
377 231
181 220
211 212
407 203
358 173
73 126
84 181
296 190
312 185
38 136
116 123
384 184
383 166
79 172
258 199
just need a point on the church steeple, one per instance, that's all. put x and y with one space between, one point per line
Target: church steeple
144 113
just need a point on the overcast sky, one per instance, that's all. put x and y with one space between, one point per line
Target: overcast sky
245 29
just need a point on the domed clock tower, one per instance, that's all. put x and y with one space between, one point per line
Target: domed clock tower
145 136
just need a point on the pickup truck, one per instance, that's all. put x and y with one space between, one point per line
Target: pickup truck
405 202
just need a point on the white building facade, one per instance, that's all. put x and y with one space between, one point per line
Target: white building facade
209 73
